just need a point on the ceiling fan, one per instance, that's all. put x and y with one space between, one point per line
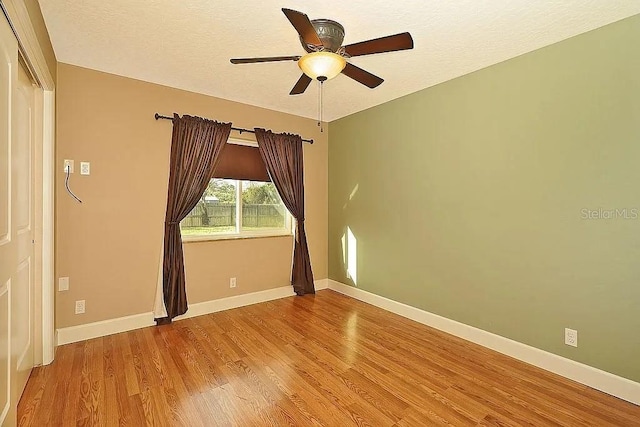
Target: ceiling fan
326 57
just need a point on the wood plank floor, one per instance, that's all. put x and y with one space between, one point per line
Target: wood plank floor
314 360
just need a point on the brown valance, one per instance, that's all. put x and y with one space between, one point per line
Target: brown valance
241 162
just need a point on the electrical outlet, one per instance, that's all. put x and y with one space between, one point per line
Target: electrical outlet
85 168
571 337
68 164
80 306
63 284
232 282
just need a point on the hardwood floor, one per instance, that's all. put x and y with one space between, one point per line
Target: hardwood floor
314 360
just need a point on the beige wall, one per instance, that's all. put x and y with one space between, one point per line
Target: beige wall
110 244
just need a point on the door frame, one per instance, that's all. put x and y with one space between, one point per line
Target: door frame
20 21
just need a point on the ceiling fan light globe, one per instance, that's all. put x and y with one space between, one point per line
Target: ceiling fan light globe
322 64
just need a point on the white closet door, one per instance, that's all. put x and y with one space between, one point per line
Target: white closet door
16 226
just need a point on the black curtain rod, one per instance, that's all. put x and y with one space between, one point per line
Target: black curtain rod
240 130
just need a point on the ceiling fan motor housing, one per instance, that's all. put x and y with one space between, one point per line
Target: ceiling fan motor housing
331 33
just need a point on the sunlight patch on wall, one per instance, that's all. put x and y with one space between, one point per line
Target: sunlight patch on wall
353 193
352 248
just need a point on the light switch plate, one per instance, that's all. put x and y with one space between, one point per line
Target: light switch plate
63 284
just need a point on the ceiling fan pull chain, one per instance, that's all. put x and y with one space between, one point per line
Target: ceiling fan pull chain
321 104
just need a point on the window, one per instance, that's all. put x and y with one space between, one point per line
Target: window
237 208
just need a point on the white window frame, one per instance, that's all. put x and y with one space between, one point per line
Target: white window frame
287 230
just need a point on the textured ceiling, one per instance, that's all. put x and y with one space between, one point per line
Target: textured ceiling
188 44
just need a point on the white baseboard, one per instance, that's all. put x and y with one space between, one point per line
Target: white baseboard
584 374
128 323
104 328
321 284
213 306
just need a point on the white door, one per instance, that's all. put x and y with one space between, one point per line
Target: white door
23 168
16 226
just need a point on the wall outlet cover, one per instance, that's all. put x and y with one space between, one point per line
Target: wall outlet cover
571 337
80 306
85 168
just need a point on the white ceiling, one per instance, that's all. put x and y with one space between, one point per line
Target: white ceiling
188 44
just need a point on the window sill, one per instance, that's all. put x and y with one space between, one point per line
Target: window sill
209 238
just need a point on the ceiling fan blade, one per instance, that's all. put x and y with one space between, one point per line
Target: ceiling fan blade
267 59
303 26
301 85
362 76
400 41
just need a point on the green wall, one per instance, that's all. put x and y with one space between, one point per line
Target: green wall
466 199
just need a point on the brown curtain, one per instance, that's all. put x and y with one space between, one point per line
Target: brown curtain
195 151
282 155
243 163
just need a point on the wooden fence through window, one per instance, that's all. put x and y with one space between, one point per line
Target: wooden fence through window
224 215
